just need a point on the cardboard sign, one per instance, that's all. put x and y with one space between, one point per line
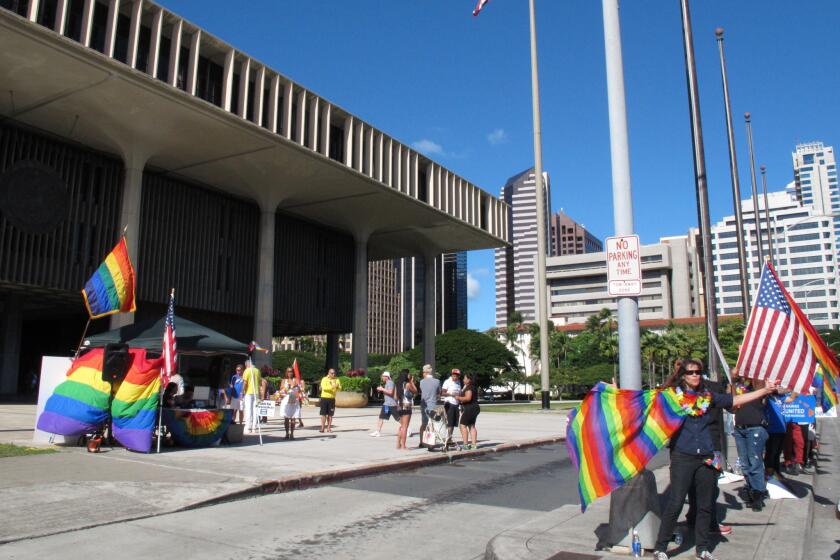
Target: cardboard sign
266 408
801 409
624 266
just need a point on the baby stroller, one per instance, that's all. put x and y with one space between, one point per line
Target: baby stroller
436 435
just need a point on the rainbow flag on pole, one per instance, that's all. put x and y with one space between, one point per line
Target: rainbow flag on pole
111 288
134 408
614 433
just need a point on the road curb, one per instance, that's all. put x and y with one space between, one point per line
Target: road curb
304 481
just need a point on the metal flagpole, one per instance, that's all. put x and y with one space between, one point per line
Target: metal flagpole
539 189
630 369
770 231
704 221
736 187
756 212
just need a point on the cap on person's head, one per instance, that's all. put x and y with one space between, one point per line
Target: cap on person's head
386 374
427 368
456 371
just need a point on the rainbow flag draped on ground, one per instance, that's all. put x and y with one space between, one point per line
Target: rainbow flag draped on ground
134 408
111 288
83 403
613 434
826 390
197 428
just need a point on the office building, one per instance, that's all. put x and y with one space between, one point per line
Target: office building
571 238
577 284
258 200
815 179
516 263
804 256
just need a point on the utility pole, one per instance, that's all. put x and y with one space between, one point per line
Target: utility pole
704 222
736 187
539 189
630 369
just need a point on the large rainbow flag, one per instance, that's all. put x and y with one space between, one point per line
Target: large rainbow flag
197 428
614 433
826 389
111 288
84 403
134 408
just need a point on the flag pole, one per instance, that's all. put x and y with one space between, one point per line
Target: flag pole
162 389
539 192
82 341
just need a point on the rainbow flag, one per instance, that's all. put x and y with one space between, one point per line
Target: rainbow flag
134 408
614 433
81 403
826 390
111 288
197 428
826 358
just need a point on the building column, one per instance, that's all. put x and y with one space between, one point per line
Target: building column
332 352
130 219
429 309
360 304
11 322
264 310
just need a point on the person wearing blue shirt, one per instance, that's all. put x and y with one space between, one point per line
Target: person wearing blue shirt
235 392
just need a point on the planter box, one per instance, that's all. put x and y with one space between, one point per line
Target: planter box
346 399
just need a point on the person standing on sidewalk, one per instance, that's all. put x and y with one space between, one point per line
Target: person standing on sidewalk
469 401
776 431
389 405
750 439
290 405
329 387
429 394
451 389
251 385
406 389
693 455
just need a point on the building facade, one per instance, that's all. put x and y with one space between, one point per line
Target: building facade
804 255
259 201
577 284
516 263
571 238
815 180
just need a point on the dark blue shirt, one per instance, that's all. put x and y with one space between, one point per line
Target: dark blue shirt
695 437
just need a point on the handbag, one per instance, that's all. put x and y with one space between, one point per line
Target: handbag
429 437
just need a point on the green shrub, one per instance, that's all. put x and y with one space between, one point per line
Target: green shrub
355 384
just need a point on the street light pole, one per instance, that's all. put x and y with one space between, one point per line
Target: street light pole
629 349
756 213
767 215
539 188
704 221
736 186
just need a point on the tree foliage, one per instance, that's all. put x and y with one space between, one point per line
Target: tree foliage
311 366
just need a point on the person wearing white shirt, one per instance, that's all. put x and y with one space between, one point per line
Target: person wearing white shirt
451 388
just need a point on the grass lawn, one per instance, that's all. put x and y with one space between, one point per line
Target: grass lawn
11 450
528 407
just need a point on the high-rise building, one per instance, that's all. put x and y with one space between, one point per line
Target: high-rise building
515 264
571 238
804 256
815 179
383 307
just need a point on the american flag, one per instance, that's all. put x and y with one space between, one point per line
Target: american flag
480 4
170 357
775 346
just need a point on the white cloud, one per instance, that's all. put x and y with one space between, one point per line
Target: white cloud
428 147
498 136
481 272
473 287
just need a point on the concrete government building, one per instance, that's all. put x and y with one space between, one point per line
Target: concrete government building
259 201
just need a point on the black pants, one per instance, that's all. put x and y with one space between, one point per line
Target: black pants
773 452
688 471
691 515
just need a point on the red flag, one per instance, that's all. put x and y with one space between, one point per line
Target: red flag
478 6
296 370
170 358
776 345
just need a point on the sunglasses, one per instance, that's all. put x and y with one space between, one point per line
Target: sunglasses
692 372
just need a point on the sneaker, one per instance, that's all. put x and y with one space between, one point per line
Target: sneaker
705 555
659 555
724 529
375 434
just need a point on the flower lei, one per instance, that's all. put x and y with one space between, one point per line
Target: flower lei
740 389
694 404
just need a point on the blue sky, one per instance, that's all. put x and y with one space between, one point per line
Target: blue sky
458 88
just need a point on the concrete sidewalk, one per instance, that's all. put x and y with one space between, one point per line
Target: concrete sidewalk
73 489
781 530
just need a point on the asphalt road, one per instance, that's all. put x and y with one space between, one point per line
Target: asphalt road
446 511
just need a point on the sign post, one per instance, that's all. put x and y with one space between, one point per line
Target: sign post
624 266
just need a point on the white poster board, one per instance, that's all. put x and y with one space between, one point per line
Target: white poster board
624 266
266 408
53 372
